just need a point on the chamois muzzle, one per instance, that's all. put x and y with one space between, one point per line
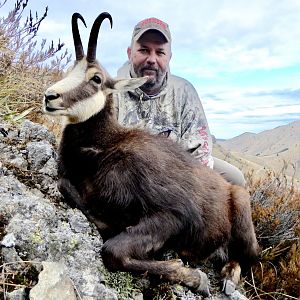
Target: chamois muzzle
76 36
51 96
92 45
50 105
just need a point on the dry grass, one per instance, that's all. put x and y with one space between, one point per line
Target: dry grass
26 68
276 214
16 275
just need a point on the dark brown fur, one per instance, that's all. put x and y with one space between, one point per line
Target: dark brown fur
146 194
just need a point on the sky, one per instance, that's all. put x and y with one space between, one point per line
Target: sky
243 57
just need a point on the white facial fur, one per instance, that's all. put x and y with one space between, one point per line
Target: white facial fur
72 80
83 110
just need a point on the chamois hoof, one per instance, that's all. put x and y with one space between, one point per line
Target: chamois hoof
178 261
203 287
228 287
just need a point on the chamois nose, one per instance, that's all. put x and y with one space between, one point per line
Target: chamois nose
51 96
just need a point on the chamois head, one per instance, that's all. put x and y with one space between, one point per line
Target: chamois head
83 91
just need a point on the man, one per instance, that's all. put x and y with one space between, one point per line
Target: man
166 104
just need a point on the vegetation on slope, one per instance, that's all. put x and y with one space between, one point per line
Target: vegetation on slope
26 68
276 215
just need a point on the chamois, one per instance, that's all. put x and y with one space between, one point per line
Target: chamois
143 191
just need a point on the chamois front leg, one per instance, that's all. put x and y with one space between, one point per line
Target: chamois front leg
72 197
131 249
69 192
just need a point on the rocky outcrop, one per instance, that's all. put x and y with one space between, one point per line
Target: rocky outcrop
55 239
40 227
52 281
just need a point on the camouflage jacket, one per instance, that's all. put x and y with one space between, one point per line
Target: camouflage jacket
176 111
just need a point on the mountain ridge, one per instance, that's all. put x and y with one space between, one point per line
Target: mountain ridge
275 149
268 142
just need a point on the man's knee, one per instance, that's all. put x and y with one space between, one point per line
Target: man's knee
230 172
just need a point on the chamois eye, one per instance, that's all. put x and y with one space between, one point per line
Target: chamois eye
96 79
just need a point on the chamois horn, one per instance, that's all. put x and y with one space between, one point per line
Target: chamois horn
76 36
92 46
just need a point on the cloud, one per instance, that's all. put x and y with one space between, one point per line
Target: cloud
285 93
231 112
244 36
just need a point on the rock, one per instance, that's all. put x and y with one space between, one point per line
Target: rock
138 296
8 241
30 131
45 232
236 295
11 255
19 294
38 228
228 287
53 283
39 153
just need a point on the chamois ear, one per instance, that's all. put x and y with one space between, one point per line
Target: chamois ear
128 84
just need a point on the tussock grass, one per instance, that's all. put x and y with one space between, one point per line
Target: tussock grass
26 68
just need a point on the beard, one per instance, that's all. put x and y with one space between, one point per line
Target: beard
156 76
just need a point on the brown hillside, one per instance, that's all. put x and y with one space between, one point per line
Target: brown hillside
268 142
277 149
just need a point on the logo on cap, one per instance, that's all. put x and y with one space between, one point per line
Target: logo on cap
154 24
149 21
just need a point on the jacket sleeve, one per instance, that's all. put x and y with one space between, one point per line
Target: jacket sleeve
195 134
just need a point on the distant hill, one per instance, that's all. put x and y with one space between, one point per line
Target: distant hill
276 149
268 142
